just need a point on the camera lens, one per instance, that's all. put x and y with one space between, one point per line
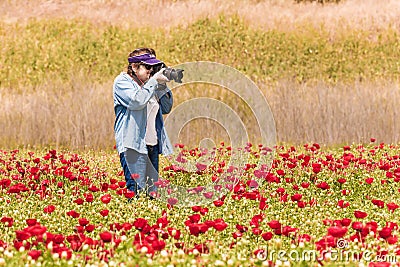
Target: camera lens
174 74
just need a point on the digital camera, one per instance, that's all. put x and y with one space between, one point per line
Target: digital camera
170 73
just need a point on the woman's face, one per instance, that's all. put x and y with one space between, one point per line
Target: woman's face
143 72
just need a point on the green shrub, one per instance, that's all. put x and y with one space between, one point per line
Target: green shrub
42 49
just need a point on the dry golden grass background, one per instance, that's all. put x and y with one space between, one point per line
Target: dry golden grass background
81 114
267 14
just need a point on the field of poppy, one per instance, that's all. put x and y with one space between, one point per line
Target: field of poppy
313 206
319 66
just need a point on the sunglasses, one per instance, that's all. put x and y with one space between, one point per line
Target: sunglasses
148 67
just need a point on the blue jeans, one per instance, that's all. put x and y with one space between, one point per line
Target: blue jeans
153 153
144 165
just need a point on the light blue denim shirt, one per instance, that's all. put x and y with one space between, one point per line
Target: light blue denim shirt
130 106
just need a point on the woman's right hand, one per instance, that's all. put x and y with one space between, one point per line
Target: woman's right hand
160 77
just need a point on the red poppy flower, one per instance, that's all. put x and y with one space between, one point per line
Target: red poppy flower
263 204
76 245
385 232
106 237
286 230
267 236
345 221
197 228
162 222
105 198
392 206
260 253
201 167
83 221
256 231
202 248
79 229
22 235
121 184
301 204
242 228
378 203
255 221
304 238
392 225
360 214
280 172
379 264
237 234
104 213
346 148
316 167
196 208
113 186
208 194
140 223
325 242
343 204
371 226
274 224
129 194
34 254
305 184
337 231
79 201
8 221
296 197
172 201
175 233
323 185
73 214
89 228
280 190
31 222
49 209
158 245
89 197
218 203
392 240
220 225
36 230
58 238
4 183
203 211
195 218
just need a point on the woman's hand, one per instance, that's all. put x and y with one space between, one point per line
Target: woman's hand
160 77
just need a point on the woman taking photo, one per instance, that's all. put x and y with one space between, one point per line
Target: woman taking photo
140 99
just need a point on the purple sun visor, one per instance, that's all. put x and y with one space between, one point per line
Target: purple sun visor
148 59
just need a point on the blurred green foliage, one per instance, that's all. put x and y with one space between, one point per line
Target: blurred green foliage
44 48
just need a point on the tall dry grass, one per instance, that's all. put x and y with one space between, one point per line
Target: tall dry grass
336 114
80 114
267 14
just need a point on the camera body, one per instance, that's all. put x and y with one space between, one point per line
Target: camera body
170 73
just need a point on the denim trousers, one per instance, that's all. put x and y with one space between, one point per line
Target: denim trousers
145 166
